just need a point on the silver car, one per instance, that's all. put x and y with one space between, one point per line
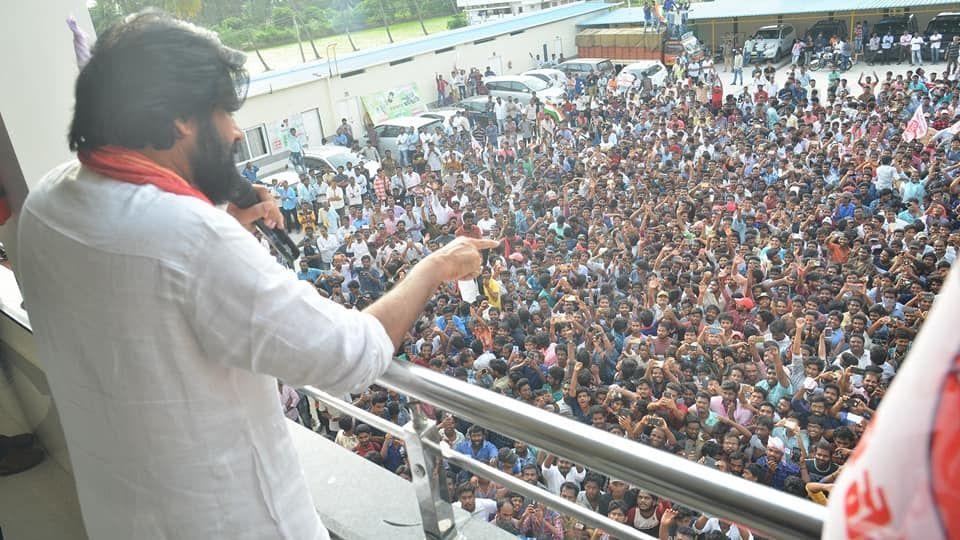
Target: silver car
522 87
388 130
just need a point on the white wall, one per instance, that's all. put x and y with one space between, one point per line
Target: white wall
36 97
422 70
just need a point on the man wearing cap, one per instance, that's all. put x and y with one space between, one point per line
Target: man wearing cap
775 468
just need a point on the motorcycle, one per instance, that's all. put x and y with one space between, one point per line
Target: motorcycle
828 60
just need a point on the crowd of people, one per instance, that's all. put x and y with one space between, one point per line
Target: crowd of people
734 279
872 47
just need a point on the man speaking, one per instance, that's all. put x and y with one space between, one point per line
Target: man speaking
162 322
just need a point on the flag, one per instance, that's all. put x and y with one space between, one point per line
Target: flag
552 110
954 129
946 133
902 480
81 45
916 127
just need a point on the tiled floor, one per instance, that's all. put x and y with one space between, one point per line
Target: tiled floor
38 504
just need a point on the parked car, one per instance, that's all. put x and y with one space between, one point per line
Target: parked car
828 27
328 157
654 69
896 26
522 87
948 24
388 130
287 174
475 108
443 114
584 66
770 42
554 77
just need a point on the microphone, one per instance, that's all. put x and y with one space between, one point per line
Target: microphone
245 198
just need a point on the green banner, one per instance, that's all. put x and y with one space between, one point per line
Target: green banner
402 100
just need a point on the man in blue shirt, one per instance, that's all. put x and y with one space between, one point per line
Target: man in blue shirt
476 446
250 172
447 322
370 279
844 208
306 273
288 206
775 468
295 147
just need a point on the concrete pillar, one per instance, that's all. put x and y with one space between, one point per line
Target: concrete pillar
36 99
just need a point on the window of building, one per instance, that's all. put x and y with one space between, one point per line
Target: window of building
254 144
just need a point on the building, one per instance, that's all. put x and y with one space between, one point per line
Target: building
479 11
316 96
733 21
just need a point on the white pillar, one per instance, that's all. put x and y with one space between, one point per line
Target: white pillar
36 98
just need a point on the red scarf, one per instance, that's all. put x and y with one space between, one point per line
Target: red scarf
127 165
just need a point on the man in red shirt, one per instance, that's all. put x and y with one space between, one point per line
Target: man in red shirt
469 227
365 444
761 95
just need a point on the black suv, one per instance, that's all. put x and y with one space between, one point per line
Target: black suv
948 24
828 27
896 26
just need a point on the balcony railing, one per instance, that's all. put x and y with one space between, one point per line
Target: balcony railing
761 508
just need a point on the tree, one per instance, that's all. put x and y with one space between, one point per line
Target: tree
416 9
298 15
459 20
383 15
343 16
183 9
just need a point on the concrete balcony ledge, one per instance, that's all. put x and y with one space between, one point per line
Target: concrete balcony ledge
335 475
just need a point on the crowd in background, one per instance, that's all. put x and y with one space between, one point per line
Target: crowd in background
735 279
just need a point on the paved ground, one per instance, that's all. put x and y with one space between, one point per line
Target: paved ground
821 76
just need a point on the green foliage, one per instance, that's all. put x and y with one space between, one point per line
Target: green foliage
459 20
233 23
266 23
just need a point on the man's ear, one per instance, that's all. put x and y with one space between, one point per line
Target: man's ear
186 127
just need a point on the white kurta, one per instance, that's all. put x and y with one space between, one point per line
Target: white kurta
161 324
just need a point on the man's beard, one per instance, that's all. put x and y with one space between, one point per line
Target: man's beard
214 172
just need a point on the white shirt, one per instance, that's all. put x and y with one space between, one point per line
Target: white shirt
162 324
885 176
484 507
555 479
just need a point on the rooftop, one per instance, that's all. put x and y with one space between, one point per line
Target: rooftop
274 80
724 9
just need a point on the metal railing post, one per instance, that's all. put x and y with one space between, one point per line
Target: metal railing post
426 467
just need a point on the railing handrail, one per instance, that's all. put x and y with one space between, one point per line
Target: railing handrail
480 468
759 507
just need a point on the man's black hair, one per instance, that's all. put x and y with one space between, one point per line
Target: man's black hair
148 71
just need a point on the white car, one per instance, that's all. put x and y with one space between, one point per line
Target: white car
444 114
523 87
554 77
388 130
653 69
328 157
288 175
771 42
